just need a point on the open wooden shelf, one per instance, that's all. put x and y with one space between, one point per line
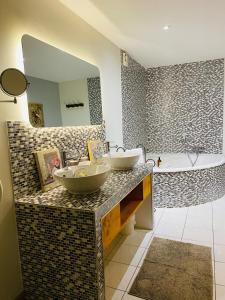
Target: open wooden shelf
130 204
114 221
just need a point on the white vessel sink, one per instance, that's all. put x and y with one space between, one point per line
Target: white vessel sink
83 179
124 160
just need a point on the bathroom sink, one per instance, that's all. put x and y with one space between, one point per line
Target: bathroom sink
82 179
124 161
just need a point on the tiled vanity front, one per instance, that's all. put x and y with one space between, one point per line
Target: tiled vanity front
60 235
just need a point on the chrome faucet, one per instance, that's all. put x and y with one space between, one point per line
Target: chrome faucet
143 150
118 148
145 154
108 146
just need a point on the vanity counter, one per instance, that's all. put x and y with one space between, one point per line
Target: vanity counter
116 187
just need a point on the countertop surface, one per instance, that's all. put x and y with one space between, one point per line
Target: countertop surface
116 187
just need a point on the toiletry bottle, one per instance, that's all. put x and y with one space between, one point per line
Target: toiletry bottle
158 162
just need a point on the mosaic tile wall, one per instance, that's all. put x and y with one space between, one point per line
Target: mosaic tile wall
95 100
188 188
24 140
185 100
133 83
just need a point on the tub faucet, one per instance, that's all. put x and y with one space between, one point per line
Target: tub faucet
143 150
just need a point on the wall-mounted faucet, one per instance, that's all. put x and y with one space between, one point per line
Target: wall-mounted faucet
108 146
145 154
118 148
143 150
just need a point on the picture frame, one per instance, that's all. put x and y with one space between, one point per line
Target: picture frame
36 114
48 160
96 150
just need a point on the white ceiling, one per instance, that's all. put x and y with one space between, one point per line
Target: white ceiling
197 29
46 62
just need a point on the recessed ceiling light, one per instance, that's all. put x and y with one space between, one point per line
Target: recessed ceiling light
166 27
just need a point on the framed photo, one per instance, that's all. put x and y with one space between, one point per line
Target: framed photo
95 150
48 161
36 114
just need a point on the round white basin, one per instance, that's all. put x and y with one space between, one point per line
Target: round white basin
83 179
123 160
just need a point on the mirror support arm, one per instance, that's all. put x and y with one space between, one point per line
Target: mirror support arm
9 101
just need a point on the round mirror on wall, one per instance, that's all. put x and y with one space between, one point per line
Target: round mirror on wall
13 83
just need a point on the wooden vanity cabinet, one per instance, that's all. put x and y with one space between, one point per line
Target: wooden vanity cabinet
111 226
114 221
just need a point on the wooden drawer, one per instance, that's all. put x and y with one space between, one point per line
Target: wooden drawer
110 226
147 185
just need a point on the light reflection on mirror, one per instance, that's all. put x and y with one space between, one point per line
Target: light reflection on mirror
64 90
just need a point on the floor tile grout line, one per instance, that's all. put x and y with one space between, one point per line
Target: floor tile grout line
116 289
185 224
156 225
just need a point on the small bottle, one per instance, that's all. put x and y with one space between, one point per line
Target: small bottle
158 162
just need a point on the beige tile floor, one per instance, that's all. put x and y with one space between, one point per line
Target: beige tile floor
203 225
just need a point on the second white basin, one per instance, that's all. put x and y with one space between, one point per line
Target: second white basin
124 160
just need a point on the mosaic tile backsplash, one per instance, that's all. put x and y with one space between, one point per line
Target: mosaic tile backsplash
133 82
95 100
24 140
185 100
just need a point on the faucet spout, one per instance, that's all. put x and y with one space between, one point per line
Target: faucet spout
122 148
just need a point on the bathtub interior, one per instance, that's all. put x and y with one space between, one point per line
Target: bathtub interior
178 162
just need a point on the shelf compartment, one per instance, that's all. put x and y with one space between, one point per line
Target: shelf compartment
118 217
130 204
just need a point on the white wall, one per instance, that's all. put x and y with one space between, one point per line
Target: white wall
50 22
47 93
74 91
224 113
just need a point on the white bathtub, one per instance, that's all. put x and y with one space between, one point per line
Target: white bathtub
178 162
177 183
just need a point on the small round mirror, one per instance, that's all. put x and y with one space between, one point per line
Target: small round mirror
13 82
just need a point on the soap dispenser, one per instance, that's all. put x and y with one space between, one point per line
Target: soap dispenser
158 162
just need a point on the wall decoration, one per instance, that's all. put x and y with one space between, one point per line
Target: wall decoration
95 150
36 114
48 161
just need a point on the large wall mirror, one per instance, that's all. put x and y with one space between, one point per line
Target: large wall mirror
64 90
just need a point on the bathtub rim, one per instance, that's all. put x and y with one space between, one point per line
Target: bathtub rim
195 168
